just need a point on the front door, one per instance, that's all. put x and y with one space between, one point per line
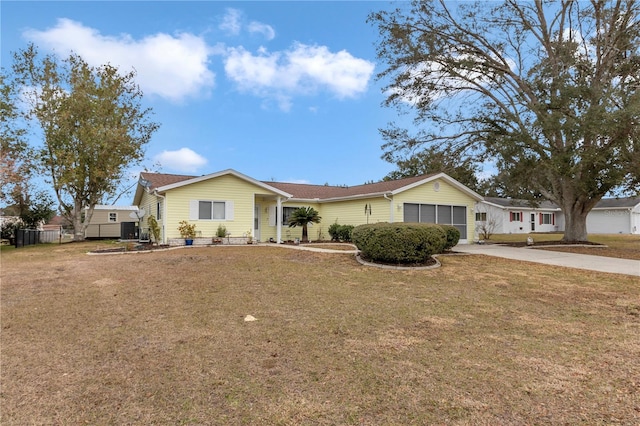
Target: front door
256 222
533 221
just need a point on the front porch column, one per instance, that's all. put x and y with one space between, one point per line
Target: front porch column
279 220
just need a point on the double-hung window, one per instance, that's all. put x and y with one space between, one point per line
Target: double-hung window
547 219
211 210
208 210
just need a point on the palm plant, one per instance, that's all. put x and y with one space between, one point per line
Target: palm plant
302 217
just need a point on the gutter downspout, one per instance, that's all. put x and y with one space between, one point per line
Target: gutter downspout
164 214
390 207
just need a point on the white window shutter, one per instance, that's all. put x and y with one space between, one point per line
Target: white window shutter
193 210
272 215
228 210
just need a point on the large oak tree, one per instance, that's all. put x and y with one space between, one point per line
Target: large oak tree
94 127
550 90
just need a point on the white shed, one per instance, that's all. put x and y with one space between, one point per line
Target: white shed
113 222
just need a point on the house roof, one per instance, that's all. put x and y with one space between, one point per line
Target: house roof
157 180
114 208
324 192
513 202
163 182
605 203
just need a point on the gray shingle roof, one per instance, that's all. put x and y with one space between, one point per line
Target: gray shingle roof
611 203
512 202
605 203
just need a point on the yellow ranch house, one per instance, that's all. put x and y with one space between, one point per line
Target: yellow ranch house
259 210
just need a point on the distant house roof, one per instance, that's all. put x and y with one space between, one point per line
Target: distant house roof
620 203
513 202
299 191
605 203
115 208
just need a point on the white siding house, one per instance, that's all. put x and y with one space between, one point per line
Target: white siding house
511 216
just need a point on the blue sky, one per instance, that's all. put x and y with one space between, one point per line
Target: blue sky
280 91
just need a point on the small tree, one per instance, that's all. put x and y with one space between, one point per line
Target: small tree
486 228
302 217
187 230
38 211
154 228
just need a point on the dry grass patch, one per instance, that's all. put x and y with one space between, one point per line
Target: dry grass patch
159 338
617 245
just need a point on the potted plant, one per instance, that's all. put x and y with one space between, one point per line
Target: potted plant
249 237
187 231
221 232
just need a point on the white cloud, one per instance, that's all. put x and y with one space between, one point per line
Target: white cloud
231 22
170 66
266 30
303 69
183 160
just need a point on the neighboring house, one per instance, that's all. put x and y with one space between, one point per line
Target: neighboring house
113 222
509 216
615 216
244 205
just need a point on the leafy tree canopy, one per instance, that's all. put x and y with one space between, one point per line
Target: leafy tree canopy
435 160
93 127
549 90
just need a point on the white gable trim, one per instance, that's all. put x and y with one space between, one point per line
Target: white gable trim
444 177
223 173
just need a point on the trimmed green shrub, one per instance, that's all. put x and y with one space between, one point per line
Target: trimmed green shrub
399 243
333 231
344 232
453 236
340 232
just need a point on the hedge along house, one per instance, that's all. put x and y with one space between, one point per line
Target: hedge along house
244 205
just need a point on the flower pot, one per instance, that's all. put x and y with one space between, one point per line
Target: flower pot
188 242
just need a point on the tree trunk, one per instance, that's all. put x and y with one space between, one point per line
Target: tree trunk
305 235
78 231
575 226
79 222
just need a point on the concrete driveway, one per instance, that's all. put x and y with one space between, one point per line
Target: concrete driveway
569 260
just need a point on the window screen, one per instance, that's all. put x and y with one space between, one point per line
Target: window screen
412 213
204 210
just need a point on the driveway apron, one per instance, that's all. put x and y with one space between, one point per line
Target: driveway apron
556 258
